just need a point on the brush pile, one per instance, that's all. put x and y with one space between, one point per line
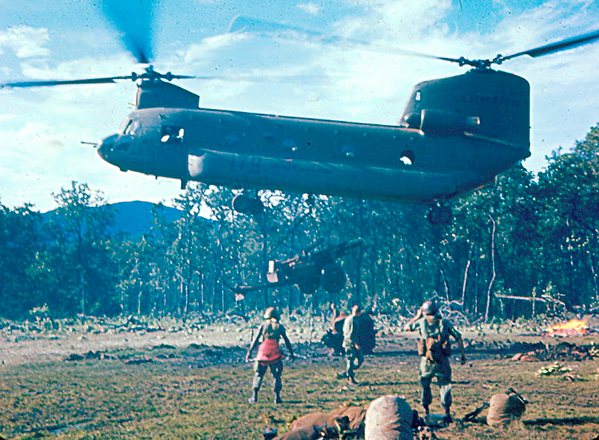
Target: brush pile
563 352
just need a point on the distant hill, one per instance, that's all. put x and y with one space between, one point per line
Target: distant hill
135 218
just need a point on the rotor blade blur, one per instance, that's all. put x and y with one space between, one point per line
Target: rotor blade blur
23 84
260 78
183 77
567 44
243 24
134 20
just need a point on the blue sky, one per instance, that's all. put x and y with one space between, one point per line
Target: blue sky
41 129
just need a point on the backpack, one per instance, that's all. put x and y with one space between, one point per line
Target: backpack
435 349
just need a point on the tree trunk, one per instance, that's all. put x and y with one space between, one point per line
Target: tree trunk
493 273
466 279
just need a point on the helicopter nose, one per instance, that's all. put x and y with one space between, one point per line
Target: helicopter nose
107 146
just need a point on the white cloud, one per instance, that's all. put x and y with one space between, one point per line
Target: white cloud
309 8
211 47
25 41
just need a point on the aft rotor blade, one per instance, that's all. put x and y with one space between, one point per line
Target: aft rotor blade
134 20
567 44
243 24
23 84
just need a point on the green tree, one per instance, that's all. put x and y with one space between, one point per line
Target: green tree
20 243
79 253
569 188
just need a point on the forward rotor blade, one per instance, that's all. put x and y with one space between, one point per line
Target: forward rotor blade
260 78
169 77
569 43
243 24
134 20
23 84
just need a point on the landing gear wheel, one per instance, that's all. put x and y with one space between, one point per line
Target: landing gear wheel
440 215
247 205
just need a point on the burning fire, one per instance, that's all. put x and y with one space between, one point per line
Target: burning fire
573 327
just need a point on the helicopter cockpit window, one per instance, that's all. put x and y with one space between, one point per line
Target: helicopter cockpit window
171 134
132 128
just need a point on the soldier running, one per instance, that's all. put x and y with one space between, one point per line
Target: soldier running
351 344
269 353
434 348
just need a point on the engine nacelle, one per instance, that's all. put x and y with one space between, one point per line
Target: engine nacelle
442 122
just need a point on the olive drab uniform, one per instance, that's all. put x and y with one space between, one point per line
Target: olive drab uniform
351 341
269 356
435 349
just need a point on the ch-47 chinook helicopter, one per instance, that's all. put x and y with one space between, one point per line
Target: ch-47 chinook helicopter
456 134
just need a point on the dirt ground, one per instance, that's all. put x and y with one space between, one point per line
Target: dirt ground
162 366
44 342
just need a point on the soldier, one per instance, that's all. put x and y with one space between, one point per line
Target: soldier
269 353
351 344
434 348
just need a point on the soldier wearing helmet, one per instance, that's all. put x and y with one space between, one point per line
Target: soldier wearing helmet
351 344
269 353
434 348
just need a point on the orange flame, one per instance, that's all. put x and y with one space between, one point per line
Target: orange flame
573 327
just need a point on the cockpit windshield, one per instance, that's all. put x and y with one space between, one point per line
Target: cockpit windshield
132 127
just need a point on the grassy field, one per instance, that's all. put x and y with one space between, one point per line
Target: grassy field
201 392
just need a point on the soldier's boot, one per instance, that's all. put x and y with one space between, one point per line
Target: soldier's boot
447 417
425 409
278 398
342 375
254 397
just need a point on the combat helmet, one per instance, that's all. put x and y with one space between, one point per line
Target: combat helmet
271 312
430 308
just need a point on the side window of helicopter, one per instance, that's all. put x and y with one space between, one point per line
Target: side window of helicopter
172 134
407 158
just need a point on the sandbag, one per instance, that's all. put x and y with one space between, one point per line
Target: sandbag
389 418
503 409
309 420
308 433
355 414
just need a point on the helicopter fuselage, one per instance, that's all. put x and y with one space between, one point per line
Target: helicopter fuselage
246 150
442 147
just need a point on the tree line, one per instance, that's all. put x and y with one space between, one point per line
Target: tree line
526 245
